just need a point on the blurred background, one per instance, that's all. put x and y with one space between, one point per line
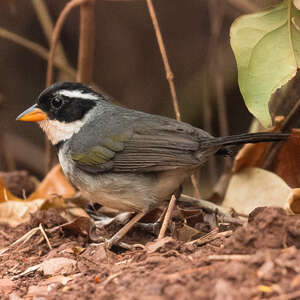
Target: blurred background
127 65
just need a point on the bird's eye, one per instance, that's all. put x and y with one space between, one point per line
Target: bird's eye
56 103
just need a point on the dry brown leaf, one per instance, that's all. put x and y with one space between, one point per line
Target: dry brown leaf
253 155
288 160
254 187
55 183
17 212
6 195
80 226
250 155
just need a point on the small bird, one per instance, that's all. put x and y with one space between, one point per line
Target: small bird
123 158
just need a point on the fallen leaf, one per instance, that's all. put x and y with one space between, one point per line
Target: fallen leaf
55 183
6 195
288 160
58 265
253 155
286 164
80 226
15 212
254 187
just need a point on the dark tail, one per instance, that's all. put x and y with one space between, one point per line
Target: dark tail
244 139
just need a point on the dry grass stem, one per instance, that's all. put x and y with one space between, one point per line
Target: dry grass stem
206 205
56 33
86 42
169 73
167 218
45 236
23 239
47 25
170 78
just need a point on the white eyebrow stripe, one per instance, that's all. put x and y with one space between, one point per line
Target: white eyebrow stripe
77 94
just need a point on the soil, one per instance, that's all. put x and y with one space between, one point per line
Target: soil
259 260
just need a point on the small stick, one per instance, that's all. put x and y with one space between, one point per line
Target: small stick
206 205
169 73
55 36
110 278
49 76
23 239
169 76
45 236
86 42
167 218
47 25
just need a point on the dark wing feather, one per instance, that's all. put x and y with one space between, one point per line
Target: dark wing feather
134 142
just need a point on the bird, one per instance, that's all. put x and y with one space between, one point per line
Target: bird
123 158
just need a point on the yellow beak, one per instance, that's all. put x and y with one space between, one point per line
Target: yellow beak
32 114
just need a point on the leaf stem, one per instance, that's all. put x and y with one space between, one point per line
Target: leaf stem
289 21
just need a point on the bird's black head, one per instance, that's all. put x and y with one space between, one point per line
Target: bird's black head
67 101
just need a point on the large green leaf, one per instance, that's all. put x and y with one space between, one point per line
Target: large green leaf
266 46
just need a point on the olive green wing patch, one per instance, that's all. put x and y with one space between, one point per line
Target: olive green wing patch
98 158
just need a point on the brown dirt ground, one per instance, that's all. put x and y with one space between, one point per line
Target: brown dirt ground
258 261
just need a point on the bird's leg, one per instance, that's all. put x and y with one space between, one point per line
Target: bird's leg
120 234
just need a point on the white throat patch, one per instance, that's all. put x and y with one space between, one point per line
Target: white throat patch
60 131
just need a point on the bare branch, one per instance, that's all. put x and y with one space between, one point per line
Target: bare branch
55 36
86 42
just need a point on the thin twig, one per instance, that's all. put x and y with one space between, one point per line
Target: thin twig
49 77
169 73
45 236
110 278
167 218
56 33
36 49
47 25
86 42
206 205
23 239
170 78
